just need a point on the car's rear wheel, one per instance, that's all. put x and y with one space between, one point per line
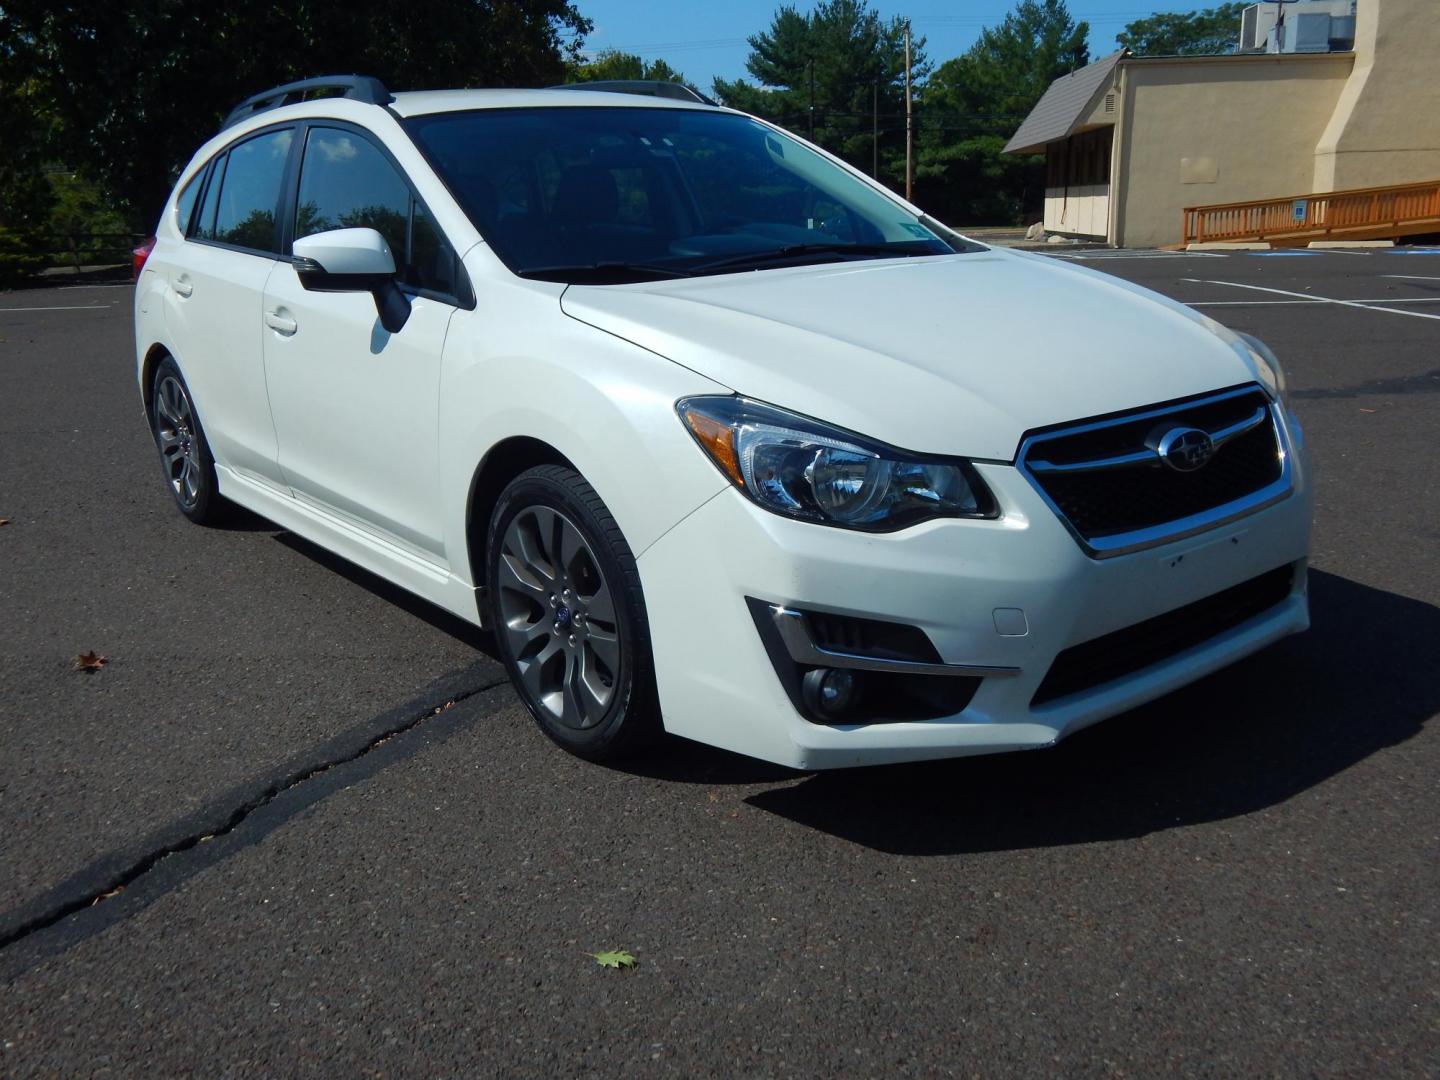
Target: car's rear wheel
568 614
185 457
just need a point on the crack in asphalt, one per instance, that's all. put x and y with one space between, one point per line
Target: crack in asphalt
57 908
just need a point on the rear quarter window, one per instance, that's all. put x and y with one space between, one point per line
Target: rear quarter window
185 204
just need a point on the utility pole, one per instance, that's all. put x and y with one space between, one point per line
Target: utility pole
812 99
909 122
875 134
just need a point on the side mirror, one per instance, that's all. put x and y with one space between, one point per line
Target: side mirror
344 253
353 260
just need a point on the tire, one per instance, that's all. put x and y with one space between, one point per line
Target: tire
185 458
568 615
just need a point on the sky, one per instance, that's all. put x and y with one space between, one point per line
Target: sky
707 40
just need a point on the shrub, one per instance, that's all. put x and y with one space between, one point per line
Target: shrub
19 261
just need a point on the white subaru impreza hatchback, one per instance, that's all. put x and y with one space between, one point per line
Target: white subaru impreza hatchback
718 435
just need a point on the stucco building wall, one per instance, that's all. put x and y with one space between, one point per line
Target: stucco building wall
1203 130
1386 125
1191 131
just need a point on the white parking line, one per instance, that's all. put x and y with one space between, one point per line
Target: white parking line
1091 256
1412 277
1317 299
74 307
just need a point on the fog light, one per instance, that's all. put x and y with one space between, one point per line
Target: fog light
829 691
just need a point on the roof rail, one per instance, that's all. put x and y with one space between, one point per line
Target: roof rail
644 87
358 87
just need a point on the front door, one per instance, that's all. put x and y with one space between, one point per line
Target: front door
355 406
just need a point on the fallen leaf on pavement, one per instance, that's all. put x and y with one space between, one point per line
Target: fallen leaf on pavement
617 959
90 661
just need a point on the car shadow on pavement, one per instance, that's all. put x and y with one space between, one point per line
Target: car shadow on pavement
1247 738
239 519
462 631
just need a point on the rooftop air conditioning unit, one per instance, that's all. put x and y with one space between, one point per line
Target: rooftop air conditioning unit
1342 33
1306 33
1249 23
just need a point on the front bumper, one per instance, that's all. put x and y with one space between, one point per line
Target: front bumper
719 686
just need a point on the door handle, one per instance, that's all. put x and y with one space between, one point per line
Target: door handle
183 285
281 324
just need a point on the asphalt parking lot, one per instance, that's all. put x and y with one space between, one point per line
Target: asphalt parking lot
299 825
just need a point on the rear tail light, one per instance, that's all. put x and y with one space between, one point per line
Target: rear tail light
140 254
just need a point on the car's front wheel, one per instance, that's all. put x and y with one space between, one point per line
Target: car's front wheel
568 614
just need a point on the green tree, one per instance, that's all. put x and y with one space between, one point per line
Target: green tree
826 74
135 87
611 64
1196 33
972 105
26 197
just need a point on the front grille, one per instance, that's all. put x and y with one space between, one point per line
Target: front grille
1110 502
1124 652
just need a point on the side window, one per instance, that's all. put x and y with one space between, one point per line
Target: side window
205 226
185 205
250 191
347 183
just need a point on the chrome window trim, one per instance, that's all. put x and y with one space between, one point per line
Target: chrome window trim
1108 547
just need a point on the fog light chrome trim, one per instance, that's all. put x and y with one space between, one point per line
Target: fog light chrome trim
795 634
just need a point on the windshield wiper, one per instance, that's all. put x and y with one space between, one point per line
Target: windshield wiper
600 273
790 251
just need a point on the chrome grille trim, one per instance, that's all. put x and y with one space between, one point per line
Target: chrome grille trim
1147 456
1106 547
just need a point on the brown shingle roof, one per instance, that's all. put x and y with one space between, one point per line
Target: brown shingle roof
1061 106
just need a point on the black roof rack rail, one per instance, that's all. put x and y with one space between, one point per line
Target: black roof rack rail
358 87
644 87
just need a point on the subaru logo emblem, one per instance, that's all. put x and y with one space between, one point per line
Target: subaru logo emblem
1185 449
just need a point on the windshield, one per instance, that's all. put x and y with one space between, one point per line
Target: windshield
608 195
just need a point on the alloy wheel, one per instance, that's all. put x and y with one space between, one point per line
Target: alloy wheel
558 618
179 443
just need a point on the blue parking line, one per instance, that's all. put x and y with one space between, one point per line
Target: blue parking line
1412 251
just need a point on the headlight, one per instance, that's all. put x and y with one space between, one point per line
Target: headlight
805 469
1271 373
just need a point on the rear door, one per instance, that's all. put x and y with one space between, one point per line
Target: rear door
213 303
355 406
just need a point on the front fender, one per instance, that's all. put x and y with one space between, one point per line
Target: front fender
606 405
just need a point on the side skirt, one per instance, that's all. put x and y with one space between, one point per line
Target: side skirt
427 580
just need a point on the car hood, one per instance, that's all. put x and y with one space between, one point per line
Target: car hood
958 354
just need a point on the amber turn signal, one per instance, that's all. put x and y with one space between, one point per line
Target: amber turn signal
718 440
